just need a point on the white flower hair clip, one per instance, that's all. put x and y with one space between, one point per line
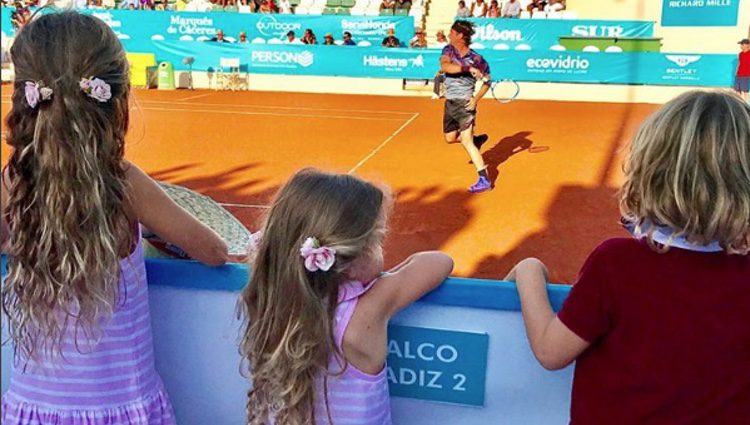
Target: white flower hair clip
36 92
96 88
317 257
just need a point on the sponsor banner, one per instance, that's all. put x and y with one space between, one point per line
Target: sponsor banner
349 61
710 70
700 13
5 24
542 34
438 365
143 26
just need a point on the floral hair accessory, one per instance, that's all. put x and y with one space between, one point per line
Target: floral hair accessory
96 88
255 239
317 257
36 92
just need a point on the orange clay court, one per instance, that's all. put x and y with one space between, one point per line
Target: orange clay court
555 201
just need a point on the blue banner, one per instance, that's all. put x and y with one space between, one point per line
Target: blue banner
143 26
432 364
5 24
710 70
542 34
699 13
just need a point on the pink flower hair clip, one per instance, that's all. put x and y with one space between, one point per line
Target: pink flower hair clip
317 257
96 88
36 92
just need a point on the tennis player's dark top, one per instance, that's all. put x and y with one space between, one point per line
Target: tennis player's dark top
461 85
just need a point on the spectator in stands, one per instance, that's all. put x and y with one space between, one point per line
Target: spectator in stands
20 16
309 37
419 41
242 39
494 10
109 4
536 6
391 40
388 4
742 79
478 9
268 6
666 310
463 11
291 38
348 39
328 40
403 4
512 9
555 6
285 7
219 37
440 39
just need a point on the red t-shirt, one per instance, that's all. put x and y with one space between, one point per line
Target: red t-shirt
670 337
744 69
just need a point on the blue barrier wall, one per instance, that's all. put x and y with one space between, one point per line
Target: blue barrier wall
137 25
474 322
535 66
541 34
168 35
140 26
5 23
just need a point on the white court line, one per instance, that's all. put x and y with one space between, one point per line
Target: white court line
301 108
265 207
139 105
195 97
385 142
215 111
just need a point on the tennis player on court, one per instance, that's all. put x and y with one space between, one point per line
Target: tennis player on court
463 67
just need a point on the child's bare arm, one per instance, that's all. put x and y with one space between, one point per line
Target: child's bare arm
553 344
157 211
411 279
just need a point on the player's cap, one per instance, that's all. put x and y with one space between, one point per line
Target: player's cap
744 41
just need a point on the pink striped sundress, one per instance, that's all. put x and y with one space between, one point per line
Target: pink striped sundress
109 381
354 397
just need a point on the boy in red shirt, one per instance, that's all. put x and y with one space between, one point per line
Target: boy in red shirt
659 324
742 81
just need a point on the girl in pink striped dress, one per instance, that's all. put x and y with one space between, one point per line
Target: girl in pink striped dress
317 305
75 298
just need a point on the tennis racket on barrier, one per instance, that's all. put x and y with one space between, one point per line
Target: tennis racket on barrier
505 90
210 213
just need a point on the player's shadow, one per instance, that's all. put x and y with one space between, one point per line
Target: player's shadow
421 218
425 219
225 186
577 220
503 150
234 186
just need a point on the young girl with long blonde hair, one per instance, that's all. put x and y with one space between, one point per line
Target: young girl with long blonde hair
75 298
317 305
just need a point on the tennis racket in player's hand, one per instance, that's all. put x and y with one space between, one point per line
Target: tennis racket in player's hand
504 91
